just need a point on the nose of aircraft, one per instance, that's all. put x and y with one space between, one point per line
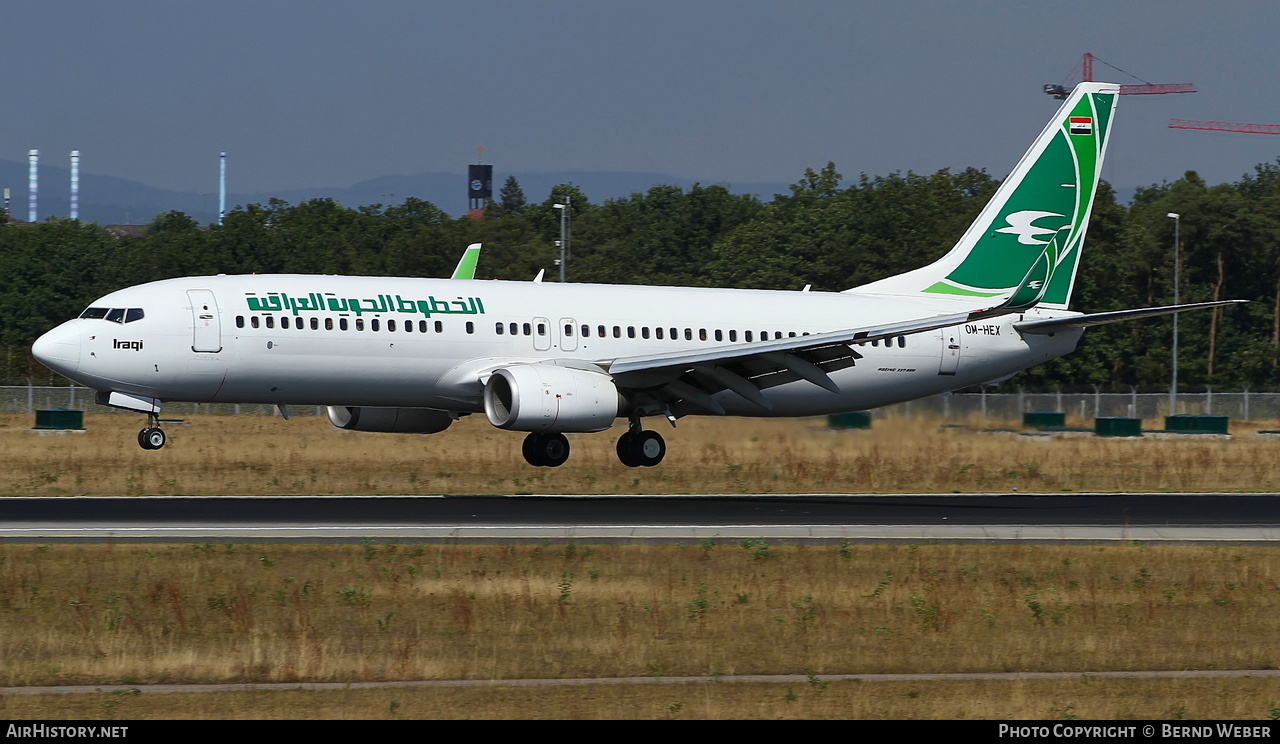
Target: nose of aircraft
59 349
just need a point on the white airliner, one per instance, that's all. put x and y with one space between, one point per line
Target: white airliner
412 354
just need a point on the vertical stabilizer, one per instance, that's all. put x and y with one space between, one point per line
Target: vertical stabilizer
1046 199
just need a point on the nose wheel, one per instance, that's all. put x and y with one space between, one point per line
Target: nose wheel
152 437
545 449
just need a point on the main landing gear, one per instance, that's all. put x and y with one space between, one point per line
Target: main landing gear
545 449
152 437
639 448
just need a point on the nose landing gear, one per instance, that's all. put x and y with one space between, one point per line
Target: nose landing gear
152 437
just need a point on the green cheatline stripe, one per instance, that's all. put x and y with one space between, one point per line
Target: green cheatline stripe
944 288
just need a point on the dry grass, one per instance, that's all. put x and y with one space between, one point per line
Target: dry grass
1023 700
134 614
257 455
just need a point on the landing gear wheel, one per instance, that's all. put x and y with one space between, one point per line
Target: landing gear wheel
627 450
641 449
151 438
549 450
649 448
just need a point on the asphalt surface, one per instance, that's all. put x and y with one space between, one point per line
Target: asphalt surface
1232 517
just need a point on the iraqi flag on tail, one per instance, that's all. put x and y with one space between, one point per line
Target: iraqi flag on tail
1080 125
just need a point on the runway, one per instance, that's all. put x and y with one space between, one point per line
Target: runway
674 517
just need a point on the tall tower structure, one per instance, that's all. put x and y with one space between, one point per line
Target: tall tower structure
75 184
33 183
479 186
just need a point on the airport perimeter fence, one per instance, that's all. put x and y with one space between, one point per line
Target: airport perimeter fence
1003 406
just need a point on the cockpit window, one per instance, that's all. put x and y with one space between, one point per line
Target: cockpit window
115 314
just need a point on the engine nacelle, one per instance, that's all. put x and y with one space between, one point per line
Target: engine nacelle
399 420
545 397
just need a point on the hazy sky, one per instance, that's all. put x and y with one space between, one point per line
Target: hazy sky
329 92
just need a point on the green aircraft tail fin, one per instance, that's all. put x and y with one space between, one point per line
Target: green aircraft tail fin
1041 210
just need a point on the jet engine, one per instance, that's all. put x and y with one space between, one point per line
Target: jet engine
546 397
399 420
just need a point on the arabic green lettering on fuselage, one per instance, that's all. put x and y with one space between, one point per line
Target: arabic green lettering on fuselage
279 302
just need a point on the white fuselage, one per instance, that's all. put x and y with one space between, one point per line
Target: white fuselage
407 342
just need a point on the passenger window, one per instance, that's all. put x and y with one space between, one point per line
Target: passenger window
702 334
375 324
675 334
657 333
284 322
408 326
586 331
719 335
792 334
746 336
116 315
644 332
315 324
271 321
253 321
391 326
733 335
471 327
439 326
902 342
631 331
514 329
600 331
568 329
422 326
239 321
542 329
328 324
617 331
359 324
688 334
764 335
132 314
342 324
528 329
499 328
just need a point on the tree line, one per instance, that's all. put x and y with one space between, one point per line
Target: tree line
825 232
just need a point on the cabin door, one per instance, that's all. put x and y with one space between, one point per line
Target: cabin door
950 351
206 327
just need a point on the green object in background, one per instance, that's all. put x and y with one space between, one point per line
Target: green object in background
1190 423
59 418
853 420
1044 419
1117 426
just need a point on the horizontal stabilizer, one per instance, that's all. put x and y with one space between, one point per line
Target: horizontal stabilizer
1053 325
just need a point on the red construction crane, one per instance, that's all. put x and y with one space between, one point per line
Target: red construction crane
1224 126
1145 89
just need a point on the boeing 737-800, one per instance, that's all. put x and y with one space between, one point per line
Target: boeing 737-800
412 354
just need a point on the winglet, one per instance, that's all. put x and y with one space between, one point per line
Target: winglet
466 268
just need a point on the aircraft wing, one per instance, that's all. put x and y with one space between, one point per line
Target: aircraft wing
694 376
1053 325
